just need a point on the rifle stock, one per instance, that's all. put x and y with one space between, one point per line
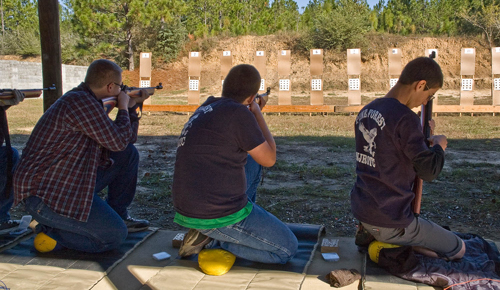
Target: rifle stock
31 93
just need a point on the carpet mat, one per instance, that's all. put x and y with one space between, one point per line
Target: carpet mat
9 240
24 253
307 236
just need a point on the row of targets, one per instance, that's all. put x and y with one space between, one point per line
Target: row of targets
316 73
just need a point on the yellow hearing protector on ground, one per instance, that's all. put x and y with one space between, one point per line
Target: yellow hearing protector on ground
375 247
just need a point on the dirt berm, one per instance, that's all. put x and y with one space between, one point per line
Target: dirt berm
374 58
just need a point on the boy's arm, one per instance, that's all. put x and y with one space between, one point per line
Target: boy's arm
428 164
265 153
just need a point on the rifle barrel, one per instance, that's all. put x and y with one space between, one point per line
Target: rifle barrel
28 93
136 92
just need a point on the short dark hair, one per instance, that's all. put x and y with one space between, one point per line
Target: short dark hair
101 72
422 68
241 82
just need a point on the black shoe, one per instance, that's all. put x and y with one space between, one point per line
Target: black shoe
135 225
193 243
8 226
363 238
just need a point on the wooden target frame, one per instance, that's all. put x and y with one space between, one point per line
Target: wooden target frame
194 74
284 72
316 56
467 71
395 67
145 72
495 76
354 76
226 63
260 65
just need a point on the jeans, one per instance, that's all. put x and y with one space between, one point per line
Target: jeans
104 230
121 179
260 237
6 203
253 173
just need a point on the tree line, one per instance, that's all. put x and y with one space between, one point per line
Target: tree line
118 29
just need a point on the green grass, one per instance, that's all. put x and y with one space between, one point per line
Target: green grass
301 171
159 183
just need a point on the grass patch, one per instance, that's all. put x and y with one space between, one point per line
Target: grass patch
301 171
160 185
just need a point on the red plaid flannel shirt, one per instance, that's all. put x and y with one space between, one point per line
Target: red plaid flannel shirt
69 142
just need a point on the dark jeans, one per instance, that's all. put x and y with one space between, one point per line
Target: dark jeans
6 203
104 230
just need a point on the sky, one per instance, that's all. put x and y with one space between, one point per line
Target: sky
303 3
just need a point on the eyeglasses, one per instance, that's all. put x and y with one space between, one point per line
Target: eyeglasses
119 85
431 97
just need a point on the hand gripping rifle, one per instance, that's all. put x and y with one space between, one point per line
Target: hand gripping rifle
133 92
264 96
31 93
425 117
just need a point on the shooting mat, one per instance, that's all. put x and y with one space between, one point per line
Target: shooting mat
22 267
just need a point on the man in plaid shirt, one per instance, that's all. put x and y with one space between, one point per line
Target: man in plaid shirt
73 153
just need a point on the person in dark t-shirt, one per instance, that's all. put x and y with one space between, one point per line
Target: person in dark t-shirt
210 179
390 152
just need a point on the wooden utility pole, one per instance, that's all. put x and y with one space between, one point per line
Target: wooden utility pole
48 15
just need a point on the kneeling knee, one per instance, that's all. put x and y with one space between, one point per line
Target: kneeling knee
290 252
460 254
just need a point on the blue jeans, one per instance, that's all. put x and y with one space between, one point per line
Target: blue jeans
104 230
6 203
253 173
260 237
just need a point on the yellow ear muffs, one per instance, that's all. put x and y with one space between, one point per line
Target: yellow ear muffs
215 262
44 243
375 247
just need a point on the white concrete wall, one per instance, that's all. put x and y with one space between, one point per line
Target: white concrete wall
28 75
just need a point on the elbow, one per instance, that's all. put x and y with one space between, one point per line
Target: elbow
270 162
429 176
267 162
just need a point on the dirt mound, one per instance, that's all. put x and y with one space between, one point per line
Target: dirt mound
374 77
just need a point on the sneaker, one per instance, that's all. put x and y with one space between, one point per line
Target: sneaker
45 244
8 226
136 225
363 238
193 243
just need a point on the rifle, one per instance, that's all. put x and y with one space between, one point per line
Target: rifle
134 92
425 117
264 96
31 93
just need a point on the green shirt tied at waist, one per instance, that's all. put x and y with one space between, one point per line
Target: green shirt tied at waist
194 223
